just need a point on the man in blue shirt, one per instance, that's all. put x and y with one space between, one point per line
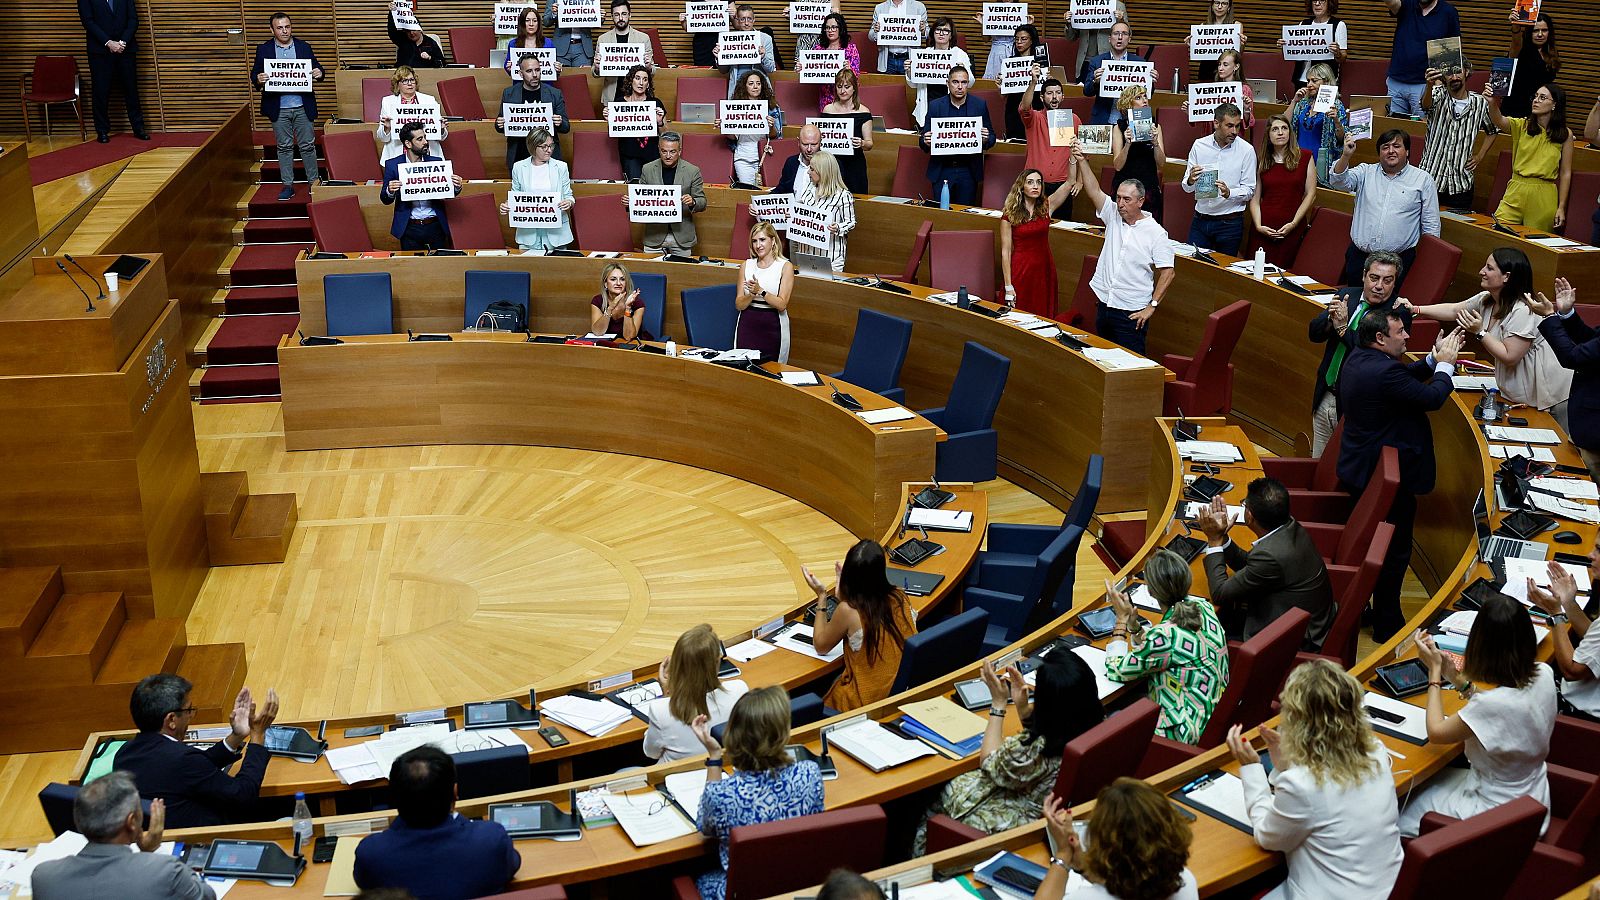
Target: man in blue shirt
1416 22
964 172
292 114
1105 106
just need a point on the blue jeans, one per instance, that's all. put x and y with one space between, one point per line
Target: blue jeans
1115 326
1405 99
894 65
963 189
1222 234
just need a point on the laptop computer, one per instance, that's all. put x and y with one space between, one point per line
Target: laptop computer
1265 90
497 59
697 113
1493 546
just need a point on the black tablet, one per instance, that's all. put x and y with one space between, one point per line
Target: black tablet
127 266
1097 623
1403 679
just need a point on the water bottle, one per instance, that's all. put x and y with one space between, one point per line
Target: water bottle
962 300
301 823
1489 410
944 195
672 348
1260 270
1174 79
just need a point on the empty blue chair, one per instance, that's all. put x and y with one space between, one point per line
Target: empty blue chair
1006 564
967 416
1049 588
492 770
56 800
359 303
941 649
653 290
709 315
877 352
486 287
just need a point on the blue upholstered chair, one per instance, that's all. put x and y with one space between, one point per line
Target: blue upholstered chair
1007 563
969 453
652 288
493 770
1047 594
709 315
803 710
877 351
941 649
358 303
56 800
487 286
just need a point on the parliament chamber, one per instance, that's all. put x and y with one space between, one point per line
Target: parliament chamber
422 513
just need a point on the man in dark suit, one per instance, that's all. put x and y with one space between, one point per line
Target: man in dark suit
672 168
1335 328
417 224
195 783
810 143
429 850
1104 111
1386 404
111 26
107 812
1576 346
963 171
293 114
1282 571
531 90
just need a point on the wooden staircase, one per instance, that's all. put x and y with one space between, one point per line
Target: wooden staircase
242 528
74 659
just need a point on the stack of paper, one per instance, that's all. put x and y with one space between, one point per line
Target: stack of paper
1210 451
941 519
371 760
1561 506
1457 627
686 788
592 717
1537 454
800 379
1473 382
874 746
1117 358
890 414
1571 488
1518 433
1192 508
647 817
1555 243
797 637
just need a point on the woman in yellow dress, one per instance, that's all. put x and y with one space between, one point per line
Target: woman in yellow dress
1541 160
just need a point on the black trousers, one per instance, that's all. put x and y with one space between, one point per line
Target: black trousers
1386 615
425 234
122 70
1355 258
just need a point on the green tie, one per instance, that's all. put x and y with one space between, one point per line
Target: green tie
1332 378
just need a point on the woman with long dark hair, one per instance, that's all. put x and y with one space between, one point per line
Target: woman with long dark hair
1287 190
835 35
1541 160
872 618
638 86
1025 43
1533 46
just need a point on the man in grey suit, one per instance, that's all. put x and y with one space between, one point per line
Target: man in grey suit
672 168
107 812
574 46
1282 571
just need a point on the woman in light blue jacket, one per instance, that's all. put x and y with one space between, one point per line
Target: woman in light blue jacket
542 175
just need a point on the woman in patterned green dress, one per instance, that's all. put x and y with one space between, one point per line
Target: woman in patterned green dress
1015 773
1184 656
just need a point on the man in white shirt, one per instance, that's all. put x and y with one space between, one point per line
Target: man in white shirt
1136 265
892 60
1577 647
1219 217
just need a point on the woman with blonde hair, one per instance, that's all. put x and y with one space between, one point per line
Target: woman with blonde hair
825 190
1286 193
619 307
403 92
541 172
1319 133
1025 260
1329 805
1136 847
766 785
691 689
766 282
1139 160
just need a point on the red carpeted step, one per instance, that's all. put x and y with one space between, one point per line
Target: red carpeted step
278 231
283 299
239 381
264 203
249 339
265 264
270 173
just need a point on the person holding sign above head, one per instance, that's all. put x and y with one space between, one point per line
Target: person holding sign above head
541 173
846 104
749 148
1105 109
621 32
689 683
1541 160
574 46
962 171
529 89
892 59
1054 161
403 84
872 618
1320 119
292 113
767 281
704 43
412 48
619 309
1287 192
110 27
1455 117
1416 22
943 37
744 20
1091 41
1025 260
1136 264
638 86
1324 14
1136 847
1533 46
825 191
529 36
1228 167
1220 12
672 168
797 168
1396 203
418 224
1139 159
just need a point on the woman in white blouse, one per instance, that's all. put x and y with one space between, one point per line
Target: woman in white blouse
1136 848
1329 805
689 680
942 37
539 173
1506 724
766 282
403 88
825 191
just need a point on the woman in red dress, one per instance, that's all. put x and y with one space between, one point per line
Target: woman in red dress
1287 189
1025 259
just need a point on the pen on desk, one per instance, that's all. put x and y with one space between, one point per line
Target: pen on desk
1200 782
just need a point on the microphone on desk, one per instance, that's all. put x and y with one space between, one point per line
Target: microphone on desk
75 284
322 729
905 519
93 280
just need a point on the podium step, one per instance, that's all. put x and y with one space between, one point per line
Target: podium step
243 528
143 647
27 597
74 641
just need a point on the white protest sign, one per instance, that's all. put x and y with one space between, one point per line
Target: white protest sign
1327 96
616 59
952 137
808 226
533 210
425 113
625 119
739 48
506 16
1116 75
655 203
925 66
743 117
899 31
701 17
1208 41
549 69
426 180
1307 42
1015 74
577 14
819 66
1205 98
1003 19
772 208
404 16
806 18
836 135
523 118
288 75
1093 15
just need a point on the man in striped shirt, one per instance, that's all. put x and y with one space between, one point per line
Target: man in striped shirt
1455 118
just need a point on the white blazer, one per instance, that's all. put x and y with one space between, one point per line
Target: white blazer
668 739
390 137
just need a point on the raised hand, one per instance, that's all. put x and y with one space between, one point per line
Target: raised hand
150 838
1245 754
1566 296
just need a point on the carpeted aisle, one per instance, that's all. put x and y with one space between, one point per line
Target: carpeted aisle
83 157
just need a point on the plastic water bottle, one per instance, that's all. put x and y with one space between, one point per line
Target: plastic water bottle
301 823
1489 410
672 348
1260 270
944 195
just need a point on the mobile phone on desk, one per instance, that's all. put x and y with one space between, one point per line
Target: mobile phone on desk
1516 420
1385 715
553 737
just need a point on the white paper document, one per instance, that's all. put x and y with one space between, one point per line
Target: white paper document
1561 506
1096 659
874 746
1412 720
1210 451
1518 433
1192 508
1539 570
686 788
800 379
592 717
1503 451
1118 358
892 414
941 519
1224 795
1571 488
637 695
1473 382
648 818
744 651
1555 243
797 637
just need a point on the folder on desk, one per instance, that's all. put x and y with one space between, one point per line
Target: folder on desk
917 584
1219 795
873 745
342 871
940 519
